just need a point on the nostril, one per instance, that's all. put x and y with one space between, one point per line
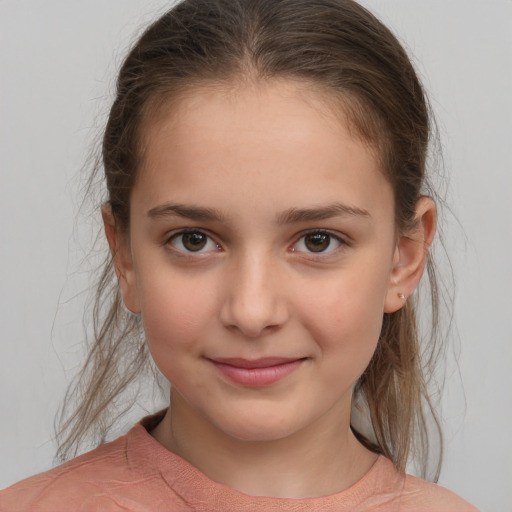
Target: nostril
252 332
253 322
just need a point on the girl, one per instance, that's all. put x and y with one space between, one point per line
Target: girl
269 219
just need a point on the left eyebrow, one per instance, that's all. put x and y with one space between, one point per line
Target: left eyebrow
294 215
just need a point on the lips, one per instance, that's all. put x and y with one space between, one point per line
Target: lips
257 372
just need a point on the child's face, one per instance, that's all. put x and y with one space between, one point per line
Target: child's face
261 232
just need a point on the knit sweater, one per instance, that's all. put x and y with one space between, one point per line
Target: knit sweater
136 473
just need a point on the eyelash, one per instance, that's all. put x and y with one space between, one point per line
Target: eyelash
315 254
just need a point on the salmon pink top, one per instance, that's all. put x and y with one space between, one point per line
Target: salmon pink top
136 473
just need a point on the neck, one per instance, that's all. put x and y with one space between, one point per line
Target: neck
322 459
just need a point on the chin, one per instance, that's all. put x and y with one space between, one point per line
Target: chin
259 427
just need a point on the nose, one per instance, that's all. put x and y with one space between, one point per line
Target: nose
254 302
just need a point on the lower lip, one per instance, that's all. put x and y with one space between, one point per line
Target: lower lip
257 377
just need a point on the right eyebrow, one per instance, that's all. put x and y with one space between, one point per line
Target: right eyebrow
186 211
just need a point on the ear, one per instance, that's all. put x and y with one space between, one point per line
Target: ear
410 255
122 258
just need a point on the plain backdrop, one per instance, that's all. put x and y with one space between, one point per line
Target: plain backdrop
58 60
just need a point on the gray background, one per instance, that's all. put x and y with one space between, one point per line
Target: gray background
57 66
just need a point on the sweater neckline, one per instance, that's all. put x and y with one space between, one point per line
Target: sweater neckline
150 458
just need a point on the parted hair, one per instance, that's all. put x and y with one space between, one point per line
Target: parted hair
352 58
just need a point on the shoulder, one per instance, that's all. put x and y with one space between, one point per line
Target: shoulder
69 482
107 478
418 494
406 493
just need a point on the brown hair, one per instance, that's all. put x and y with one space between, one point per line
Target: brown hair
338 46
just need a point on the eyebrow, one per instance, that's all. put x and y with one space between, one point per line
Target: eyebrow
294 215
186 211
290 216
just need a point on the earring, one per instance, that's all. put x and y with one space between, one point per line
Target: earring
402 297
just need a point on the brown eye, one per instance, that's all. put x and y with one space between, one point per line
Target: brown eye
193 241
317 242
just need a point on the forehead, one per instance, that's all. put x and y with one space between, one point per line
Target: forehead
256 139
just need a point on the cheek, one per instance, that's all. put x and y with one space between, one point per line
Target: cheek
174 318
174 312
345 320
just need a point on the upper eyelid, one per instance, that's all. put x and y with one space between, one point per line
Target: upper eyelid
182 231
335 234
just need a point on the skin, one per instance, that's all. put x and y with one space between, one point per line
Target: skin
240 165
